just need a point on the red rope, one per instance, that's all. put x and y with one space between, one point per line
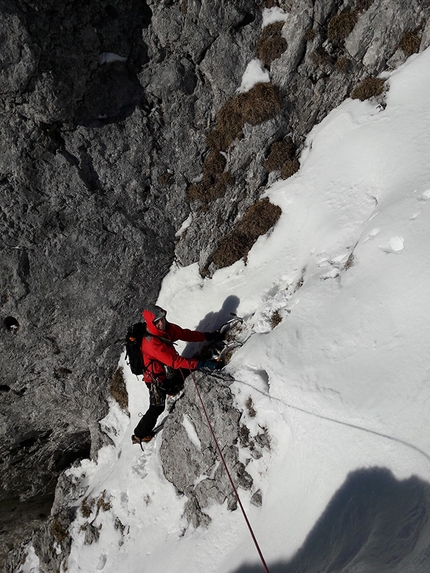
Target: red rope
229 476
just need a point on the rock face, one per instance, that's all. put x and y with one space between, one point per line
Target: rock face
188 452
106 107
330 48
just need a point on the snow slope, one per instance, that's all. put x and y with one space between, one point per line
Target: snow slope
342 383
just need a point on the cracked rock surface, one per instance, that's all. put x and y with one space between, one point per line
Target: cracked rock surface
188 452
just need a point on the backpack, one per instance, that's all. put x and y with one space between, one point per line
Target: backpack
133 342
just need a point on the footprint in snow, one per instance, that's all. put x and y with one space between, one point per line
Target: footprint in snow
139 466
102 562
394 245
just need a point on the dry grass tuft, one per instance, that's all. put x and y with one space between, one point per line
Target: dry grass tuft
410 43
196 193
166 178
103 503
211 187
349 262
59 530
368 88
244 436
118 389
255 106
257 221
250 406
228 126
280 151
87 506
310 35
363 5
320 57
341 25
259 104
219 188
290 167
342 65
271 44
275 319
214 163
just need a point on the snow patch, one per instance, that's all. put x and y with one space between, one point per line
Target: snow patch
394 245
184 225
271 15
110 57
254 74
31 563
191 432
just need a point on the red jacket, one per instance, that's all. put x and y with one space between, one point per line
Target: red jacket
158 350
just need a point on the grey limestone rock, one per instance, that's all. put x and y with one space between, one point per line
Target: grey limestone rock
18 57
105 108
376 36
102 129
188 452
315 73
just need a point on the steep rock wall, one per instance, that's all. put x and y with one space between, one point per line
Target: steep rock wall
99 103
105 110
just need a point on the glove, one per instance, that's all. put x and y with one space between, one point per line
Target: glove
216 336
209 365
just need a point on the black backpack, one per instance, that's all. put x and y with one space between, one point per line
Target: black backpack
133 343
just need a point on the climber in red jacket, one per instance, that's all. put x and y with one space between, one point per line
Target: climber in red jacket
165 369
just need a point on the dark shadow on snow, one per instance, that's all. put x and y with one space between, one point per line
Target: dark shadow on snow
373 524
212 321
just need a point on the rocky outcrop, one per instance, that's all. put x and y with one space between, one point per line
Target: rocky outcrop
102 123
331 46
105 112
189 454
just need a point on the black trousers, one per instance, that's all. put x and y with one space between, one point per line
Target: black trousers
158 393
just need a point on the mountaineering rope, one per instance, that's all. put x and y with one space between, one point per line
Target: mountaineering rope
229 475
340 422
